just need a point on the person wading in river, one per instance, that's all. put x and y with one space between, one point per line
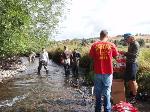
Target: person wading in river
102 53
75 62
32 57
43 61
66 55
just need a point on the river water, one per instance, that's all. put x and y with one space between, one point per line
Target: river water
55 92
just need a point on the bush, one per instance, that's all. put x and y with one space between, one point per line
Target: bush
56 55
143 76
141 42
143 80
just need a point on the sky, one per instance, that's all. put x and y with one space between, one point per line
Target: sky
87 18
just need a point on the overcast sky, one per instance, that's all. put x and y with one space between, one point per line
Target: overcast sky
87 17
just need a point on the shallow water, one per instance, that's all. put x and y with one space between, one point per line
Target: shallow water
54 92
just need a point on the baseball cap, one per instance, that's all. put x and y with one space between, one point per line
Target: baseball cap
127 35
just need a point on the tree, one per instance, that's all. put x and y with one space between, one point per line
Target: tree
27 24
141 42
116 42
13 17
45 15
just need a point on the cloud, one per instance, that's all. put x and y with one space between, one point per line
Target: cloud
88 17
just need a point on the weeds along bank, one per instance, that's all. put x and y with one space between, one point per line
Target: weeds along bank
143 77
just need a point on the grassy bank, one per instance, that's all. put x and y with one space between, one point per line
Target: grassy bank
143 76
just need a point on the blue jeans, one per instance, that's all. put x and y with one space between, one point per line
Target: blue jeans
102 87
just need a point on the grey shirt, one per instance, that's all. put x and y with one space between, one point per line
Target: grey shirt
133 52
44 56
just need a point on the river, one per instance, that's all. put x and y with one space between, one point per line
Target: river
55 92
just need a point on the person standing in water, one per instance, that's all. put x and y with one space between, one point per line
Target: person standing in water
66 55
43 61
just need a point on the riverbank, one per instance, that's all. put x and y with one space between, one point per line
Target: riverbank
54 92
10 67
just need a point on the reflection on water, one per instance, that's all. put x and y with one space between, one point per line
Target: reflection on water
9 103
54 92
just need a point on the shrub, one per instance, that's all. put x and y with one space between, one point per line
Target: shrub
56 55
141 42
143 76
143 80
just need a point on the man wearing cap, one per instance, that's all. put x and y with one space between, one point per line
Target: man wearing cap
102 53
131 64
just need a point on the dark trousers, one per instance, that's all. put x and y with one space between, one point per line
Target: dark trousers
67 69
75 68
131 71
42 63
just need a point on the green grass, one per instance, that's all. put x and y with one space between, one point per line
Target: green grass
143 76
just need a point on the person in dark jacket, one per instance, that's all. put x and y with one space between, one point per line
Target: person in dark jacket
75 62
131 65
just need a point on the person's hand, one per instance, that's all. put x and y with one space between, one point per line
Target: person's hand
125 53
122 52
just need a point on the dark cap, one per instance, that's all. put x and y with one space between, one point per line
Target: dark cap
127 35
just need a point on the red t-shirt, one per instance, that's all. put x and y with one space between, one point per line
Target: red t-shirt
102 54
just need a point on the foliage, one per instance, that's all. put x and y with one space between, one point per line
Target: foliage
143 80
45 16
26 25
143 76
86 62
141 42
13 18
144 60
116 42
56 55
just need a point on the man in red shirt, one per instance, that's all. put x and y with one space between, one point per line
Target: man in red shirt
102 53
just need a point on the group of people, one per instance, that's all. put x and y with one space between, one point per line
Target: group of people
102 53
68 59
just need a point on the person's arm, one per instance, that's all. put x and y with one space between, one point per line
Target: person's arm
47 57
114 51
91 54
40 56
34 54
79 55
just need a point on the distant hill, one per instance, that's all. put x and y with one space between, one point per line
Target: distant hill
118 37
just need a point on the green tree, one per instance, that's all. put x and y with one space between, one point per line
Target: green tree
26 24
13 17
141 42
45 15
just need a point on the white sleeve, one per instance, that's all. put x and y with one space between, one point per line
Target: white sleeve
47 57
